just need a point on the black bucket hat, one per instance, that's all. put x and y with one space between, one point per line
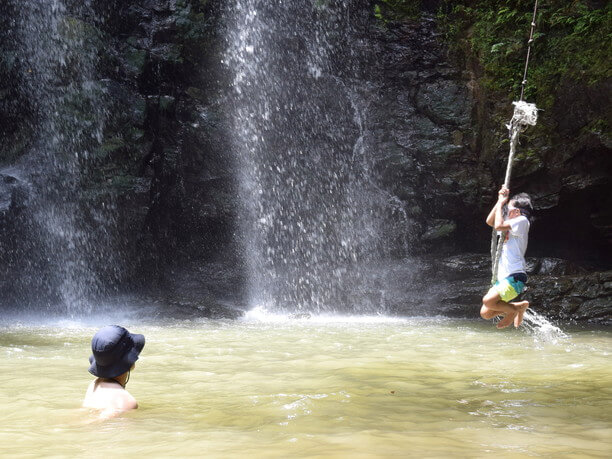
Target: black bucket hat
114 351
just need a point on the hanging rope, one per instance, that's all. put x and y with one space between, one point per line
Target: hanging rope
525 114
533 25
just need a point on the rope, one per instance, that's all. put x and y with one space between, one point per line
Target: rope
496 246
525 114
533 25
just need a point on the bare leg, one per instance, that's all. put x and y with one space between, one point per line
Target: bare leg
493 302
507 320
521 306
493 305
487 313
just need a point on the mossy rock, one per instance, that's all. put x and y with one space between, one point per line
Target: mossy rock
166 103
139 111
124 182
439 229
196 93
75 29
135 59
527 163
109 146
397 10
8 60
14 149
135 134
171 53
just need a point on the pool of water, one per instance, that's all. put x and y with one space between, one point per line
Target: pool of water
326 387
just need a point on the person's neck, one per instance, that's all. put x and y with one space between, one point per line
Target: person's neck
121 380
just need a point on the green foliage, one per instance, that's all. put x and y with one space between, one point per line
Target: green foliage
598 126
572 41
395 10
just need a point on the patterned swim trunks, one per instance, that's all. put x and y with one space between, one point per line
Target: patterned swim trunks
511 287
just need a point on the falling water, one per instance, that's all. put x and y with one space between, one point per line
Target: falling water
65 238
311 226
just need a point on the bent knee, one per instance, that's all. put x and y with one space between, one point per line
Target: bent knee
487 313
490 299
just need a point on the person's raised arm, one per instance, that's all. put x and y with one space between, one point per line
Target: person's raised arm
491 216
502 198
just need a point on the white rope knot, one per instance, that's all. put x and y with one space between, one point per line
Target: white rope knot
525 114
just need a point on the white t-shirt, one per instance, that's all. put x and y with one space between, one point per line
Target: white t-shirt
512 259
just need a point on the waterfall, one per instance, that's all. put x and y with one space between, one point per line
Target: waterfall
311 209
65 239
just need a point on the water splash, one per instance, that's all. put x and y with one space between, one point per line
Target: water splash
542 329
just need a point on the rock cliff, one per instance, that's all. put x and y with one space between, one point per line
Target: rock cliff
434 129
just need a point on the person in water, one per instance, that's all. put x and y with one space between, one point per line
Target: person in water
115 351
511 273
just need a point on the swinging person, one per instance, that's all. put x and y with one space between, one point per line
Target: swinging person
115 351
511 275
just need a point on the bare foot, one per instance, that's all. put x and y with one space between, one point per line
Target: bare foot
489 314
522 307
507 320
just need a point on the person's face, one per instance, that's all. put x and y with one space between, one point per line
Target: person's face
513 212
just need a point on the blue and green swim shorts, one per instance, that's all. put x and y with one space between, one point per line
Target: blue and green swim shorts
511 287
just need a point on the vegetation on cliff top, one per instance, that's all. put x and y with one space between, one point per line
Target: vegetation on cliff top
572 41
569 72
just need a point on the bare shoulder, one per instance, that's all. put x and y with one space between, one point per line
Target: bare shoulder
128 402
121 400
120 404
109 398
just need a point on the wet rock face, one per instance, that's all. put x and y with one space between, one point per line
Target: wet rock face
420 124
13 193
13 197
442 160
437 156
163 65
443 152
160 159
557 289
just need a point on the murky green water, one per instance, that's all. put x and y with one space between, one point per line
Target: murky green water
304 388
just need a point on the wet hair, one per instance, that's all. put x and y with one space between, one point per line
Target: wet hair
522 201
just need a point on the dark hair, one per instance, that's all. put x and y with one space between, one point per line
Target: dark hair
522 201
